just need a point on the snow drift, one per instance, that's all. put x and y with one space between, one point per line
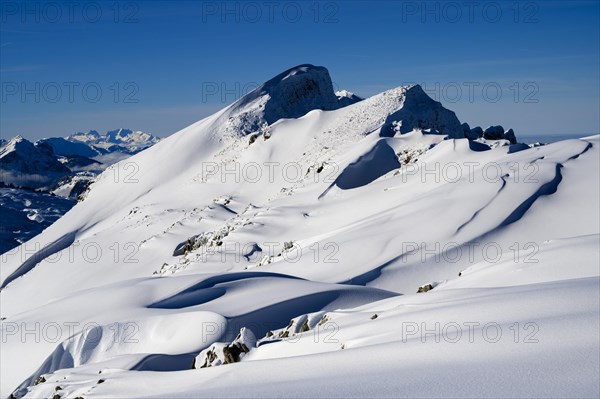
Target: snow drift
290 263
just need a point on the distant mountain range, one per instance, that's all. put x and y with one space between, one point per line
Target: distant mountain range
120 140
41 181
46 163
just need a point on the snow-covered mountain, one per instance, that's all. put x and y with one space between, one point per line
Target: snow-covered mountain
23 163
120 140
275 249
63 147
32 173
41 164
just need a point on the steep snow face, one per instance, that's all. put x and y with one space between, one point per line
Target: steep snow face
24 164
327 223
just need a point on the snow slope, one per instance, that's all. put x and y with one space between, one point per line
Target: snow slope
310 224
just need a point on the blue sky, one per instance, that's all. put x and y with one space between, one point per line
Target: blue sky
159 66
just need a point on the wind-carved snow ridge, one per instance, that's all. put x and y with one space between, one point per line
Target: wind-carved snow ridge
278 247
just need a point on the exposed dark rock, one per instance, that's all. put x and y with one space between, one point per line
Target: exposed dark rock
323 320
425 288
493 133
79 188
233 351
183 247
305 326
475 133
211 356
510 136
222 353
466 129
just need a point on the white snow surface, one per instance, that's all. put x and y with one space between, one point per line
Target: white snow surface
315 237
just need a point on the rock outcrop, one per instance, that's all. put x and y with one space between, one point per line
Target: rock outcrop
226 353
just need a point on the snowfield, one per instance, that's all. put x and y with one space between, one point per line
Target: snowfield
275 249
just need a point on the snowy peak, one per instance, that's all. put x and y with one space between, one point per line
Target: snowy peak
49 161
419 111
346 98
15 141
20 146
88 137
127 136
297 91
117 136
291 94
121 140
304 88
23 163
